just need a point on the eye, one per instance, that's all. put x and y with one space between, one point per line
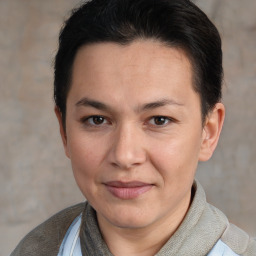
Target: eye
159 120
94 120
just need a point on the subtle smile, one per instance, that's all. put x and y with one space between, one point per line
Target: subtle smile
127 190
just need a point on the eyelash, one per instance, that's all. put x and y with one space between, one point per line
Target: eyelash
165 119
86 121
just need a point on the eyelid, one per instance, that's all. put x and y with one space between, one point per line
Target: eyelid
169 119
85 121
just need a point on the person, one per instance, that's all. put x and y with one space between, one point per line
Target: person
138 98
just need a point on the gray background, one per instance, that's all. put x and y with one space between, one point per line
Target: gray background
36 179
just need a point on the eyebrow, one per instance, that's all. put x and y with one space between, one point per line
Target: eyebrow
86 102
158 103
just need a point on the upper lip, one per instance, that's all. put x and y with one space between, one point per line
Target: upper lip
130 184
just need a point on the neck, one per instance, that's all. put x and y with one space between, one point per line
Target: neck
142 241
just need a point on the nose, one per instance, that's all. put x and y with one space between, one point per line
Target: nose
127 148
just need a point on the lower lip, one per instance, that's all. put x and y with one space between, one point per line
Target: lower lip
128 193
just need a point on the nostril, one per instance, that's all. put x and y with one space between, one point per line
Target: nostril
114 164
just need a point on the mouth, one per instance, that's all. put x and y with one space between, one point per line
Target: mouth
127 190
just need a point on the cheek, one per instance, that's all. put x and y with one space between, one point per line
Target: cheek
177 158
86 159
84 150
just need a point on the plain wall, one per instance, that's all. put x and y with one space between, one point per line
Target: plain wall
36 178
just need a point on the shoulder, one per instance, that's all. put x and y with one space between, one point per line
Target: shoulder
233 241
47 237
239 241
230 240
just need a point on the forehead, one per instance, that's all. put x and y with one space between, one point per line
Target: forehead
150 55
140 70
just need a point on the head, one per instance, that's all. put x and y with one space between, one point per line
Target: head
178 24
137 91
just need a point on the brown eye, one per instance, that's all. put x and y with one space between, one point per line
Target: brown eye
98 120
159 120
95 120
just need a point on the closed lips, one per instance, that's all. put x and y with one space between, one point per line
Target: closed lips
127 190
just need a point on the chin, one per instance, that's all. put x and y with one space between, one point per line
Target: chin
130 219
130 224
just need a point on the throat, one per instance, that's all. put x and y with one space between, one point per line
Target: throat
137 241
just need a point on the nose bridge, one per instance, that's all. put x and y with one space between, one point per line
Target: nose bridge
127 149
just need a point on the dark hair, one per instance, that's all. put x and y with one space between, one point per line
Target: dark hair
176 23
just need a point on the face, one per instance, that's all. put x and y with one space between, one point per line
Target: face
134 132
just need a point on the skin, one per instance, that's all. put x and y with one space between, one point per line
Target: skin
133 117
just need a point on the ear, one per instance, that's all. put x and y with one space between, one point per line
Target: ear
62 130
211 131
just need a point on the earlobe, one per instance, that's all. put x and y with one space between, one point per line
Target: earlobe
211 131
62 129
